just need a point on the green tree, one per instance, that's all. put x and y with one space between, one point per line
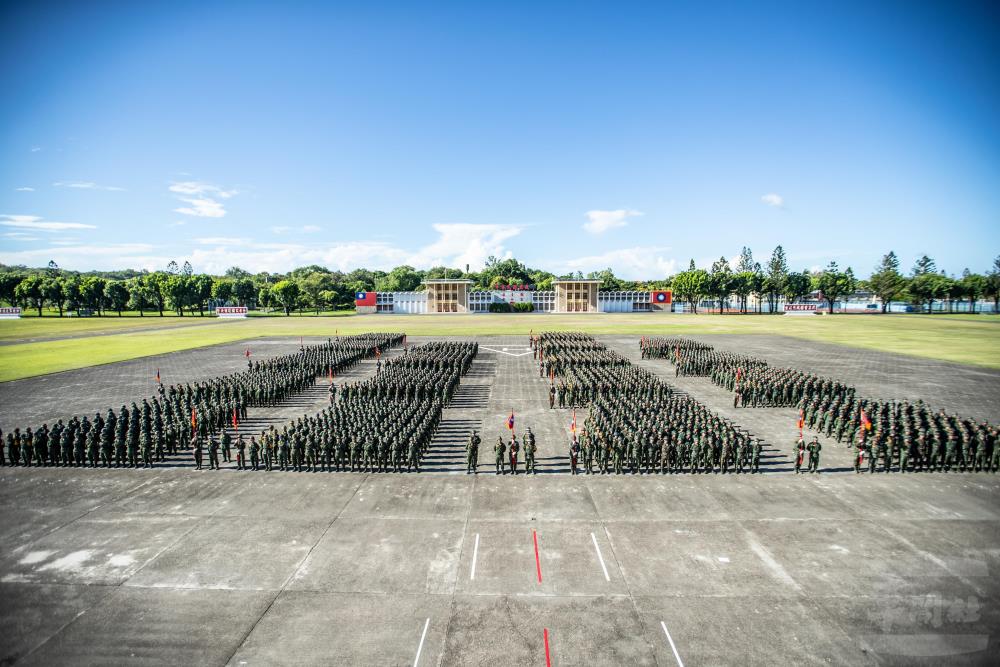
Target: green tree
720 282
8 286
400 279
30 292
923 266
690 286
887 282
116 295
286 292
156 289
53 292
797 286
926 288
92 293
177 291
742 285
200 286
973 287
991 289
777 270
137 294
312 287
245 291
223 290
834 283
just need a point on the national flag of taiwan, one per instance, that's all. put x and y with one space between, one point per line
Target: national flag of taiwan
662 297
364 298
510 421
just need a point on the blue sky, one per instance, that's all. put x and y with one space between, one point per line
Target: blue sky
573 136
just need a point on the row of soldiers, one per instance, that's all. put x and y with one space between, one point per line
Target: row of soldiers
147 432
637 423
886 435
906 436
382 424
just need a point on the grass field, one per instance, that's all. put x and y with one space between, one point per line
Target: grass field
967 339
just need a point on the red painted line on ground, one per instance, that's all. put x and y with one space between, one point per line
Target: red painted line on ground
538 562
548 659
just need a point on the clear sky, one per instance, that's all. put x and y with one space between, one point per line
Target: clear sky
573 136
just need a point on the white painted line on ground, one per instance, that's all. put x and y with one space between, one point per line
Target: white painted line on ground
600 557
672 647
423 636
475 555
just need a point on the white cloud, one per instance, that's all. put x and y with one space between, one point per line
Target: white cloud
305 229
20 236
201 208
456 246
36 223
201 198
223 240
24 189
87 185
602 221
773 199
461 244
35 149
638 263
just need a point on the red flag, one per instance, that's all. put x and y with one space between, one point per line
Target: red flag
194 420
157 376
866 423
739 374
572 427
378 352
510 421
802 421
247 353
236 423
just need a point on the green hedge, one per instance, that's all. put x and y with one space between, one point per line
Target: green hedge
504 307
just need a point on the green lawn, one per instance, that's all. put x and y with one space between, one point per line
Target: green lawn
968 339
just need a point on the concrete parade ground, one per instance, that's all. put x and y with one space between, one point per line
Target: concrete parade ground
176 566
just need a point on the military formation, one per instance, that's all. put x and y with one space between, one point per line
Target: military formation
191 417
637 423
885 435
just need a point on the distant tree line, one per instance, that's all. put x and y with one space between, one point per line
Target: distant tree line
180 290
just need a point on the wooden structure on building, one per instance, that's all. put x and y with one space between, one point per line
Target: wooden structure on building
445 295
576 296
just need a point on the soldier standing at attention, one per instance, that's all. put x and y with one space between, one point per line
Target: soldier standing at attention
213 453
755 456
552 396
241 455
500 449
529 453
814 448
472 453
574 454
414 459
800 453
513 449
196 443
226 442
254 454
